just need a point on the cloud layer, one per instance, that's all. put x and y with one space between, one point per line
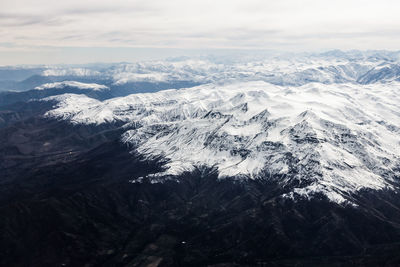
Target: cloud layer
193 24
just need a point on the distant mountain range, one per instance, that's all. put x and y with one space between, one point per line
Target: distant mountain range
150 76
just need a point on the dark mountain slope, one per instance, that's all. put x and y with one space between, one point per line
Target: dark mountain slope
71 203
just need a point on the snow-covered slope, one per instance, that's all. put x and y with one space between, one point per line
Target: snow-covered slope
333 139
73 84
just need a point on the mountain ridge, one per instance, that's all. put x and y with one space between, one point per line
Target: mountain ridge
252 129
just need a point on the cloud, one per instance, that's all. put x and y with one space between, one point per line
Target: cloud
194 24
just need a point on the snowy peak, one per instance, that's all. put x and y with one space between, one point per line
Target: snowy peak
72 84
329 139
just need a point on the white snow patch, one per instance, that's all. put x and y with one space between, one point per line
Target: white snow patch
79 85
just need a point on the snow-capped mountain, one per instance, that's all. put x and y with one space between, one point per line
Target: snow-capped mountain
333 139
72 84
327 121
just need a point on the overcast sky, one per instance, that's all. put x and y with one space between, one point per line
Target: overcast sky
77 31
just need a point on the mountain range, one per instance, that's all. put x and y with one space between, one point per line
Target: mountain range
290 160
